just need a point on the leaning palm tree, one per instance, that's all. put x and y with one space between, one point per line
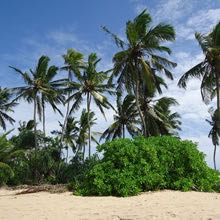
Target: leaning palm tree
90 83
140 58
127 117
73 61
208 70
6 106
214 133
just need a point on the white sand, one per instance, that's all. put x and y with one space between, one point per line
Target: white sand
157 205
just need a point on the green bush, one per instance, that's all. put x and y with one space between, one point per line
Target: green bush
132 166
5 173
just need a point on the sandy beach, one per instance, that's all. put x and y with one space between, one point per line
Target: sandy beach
151 205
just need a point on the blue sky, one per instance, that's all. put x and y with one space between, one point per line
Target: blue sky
31 28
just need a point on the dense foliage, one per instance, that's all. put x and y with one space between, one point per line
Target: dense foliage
132 166
5 173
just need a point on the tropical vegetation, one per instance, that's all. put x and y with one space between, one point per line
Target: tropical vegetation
141 149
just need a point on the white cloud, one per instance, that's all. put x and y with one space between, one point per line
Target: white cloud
172 10
187 16
204 19
140 7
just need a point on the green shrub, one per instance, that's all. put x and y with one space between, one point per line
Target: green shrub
132 166
5 173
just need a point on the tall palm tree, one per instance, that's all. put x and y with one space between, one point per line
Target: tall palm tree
208 70
6 106
214 132
90 83
127 117
73 61
140 57
37 89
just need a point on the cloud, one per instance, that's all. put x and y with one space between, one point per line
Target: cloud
172 10
187 16
204 19
140 7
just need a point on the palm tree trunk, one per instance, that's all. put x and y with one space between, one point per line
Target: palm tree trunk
35 140
67 109
218 101
44 120
123 131
214 157
66 115
84 150
137 96
88 118
67 154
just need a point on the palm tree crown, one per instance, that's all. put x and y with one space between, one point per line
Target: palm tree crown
214 132
91 84
127 117
139 60
6 106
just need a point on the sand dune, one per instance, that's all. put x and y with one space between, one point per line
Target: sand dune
156 205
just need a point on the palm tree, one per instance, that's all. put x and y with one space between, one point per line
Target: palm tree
70 135
91 84
139 58
73 61
38 89
208 70
83 136
6 106
169 122
127 117
159 119
52 92
214 132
